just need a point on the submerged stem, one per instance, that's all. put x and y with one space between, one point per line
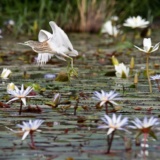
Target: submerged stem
106 106
147 70
20 110
32 141
76 106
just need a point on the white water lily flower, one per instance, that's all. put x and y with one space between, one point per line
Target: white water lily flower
110 29
5 73
144 125
122 71
105 97
20 94
136 22
28 127
114 123
147 46
156 77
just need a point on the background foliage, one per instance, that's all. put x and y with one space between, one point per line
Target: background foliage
72 15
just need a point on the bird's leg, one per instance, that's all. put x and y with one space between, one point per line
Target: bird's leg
70 69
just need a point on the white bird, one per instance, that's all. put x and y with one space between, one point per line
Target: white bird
48 45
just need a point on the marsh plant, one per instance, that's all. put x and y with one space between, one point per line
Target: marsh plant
55 100
148 49
78 98
106 98
19 94
112 125
77 15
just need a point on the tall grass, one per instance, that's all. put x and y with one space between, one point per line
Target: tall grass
72 15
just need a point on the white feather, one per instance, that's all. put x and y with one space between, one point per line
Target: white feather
43 35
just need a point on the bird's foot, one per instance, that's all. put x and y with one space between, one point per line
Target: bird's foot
72 72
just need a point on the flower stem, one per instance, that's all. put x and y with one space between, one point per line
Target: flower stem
110 142
106 106
76 106
32 141
147 70
20 110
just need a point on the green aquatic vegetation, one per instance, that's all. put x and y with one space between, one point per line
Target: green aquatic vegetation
65 134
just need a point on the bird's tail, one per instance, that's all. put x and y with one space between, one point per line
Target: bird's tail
73 53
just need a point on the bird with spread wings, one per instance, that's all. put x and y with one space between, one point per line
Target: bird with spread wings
53 44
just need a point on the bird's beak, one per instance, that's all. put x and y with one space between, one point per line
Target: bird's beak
23 44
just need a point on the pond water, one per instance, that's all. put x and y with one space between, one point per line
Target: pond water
66 136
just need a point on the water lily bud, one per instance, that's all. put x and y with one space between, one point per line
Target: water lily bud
115 61
56 98
122 71
5 73
136 78
132 63
11 86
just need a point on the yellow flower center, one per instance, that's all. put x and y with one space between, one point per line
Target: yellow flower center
20 96
113 126
104 99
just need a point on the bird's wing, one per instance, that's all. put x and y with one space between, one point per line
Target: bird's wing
73 53
44 35
60 38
